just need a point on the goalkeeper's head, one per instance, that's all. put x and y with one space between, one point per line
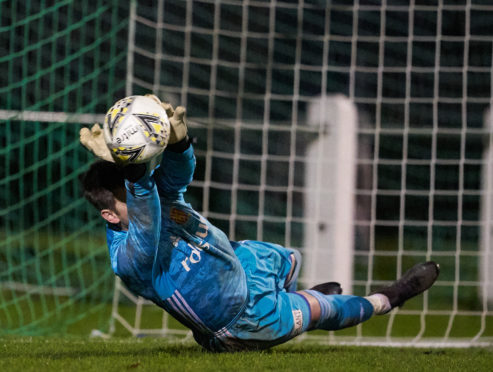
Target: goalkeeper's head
103 186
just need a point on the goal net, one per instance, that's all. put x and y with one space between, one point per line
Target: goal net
356 132
262 80
60 63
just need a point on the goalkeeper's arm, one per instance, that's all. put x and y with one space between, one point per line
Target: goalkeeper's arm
141 216
178 163
172 177
144 217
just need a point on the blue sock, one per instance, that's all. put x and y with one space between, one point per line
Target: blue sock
341 311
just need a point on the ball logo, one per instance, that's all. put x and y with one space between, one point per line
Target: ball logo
127 134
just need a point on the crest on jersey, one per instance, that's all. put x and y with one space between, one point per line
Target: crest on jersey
178 216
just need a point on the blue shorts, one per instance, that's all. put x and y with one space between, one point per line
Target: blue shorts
272 314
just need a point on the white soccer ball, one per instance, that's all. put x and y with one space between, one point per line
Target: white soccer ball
136 129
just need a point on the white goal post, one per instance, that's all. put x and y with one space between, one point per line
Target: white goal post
329 200
487 217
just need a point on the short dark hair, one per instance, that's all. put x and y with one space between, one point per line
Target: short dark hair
100 182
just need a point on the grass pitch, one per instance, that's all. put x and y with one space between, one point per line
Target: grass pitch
150 354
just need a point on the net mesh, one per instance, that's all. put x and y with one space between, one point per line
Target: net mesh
418 72
59 60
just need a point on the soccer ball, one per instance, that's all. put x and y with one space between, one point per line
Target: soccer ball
136 129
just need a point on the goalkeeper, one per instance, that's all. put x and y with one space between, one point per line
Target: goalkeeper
232 295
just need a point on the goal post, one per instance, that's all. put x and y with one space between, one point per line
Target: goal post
487 217
330 188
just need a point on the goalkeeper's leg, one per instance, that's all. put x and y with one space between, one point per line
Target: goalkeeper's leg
333 312
415 281
273 317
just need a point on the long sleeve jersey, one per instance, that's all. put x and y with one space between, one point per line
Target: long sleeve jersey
173 256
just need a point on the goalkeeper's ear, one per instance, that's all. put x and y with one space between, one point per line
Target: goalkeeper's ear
110 216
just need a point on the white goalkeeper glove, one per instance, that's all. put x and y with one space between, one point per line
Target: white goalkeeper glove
93 140
176 118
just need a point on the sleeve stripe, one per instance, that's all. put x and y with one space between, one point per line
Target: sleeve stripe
190 311
180 306
180 313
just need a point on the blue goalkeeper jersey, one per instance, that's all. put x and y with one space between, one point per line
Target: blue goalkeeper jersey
173 256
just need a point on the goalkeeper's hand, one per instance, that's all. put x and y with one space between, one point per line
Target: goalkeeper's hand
93 140
176 118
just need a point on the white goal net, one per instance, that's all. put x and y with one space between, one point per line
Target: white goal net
353 131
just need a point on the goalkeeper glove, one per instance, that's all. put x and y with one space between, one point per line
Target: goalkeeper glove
93 140
176 119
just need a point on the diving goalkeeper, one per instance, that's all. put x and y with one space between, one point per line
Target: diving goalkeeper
232 295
